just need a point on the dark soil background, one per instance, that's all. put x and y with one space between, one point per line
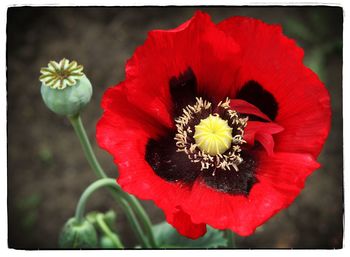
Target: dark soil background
47 170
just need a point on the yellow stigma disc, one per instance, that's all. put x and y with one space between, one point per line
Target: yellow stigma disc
213 135
59 75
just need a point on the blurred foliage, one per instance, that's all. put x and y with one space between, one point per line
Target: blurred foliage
28 209
45 155
315 36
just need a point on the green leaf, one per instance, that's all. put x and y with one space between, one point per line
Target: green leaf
167 237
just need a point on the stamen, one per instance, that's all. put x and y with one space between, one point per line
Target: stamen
212 136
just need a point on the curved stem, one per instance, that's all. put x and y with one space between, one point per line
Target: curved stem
108 182
90 155
80 209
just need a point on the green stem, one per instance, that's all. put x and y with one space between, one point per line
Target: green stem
128 199
84 140
143 217
118 194
106 230
80 209
230 239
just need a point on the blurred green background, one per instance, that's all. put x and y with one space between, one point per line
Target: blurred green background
47 170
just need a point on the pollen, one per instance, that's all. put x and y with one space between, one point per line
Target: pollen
213 135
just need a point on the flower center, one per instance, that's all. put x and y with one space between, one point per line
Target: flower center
213 135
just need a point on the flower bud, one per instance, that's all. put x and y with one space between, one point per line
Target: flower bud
65 89
107 242
110 217
78 235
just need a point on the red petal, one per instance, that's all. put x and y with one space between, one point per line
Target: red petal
197 44
242 106
267 142
183 224
118 108
124 131
262 132
276 62
139 108
279 184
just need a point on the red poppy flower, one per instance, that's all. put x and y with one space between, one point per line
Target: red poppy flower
217 124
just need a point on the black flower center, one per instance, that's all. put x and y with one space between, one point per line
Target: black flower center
181 157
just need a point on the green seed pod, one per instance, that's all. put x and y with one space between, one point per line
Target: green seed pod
110 218
65 89
76 235
107 243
